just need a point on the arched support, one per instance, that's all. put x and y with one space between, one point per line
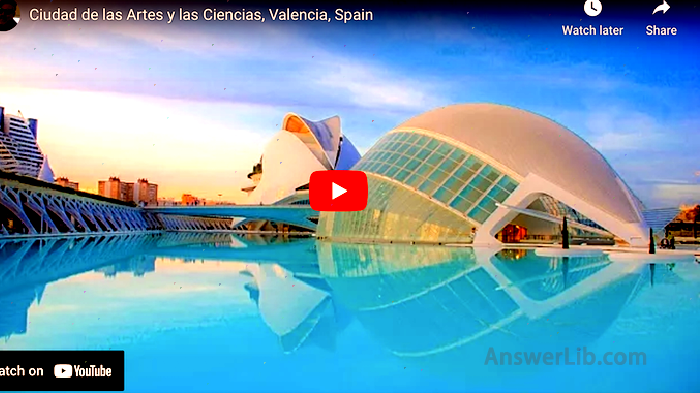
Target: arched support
116 214
66 213
11 200
126 220
36 203
55 205
532 188
108 223
84 210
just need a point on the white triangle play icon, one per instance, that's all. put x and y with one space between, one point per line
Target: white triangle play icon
337 191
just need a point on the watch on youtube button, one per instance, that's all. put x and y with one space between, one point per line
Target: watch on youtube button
338 191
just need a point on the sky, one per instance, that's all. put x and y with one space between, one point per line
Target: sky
191 105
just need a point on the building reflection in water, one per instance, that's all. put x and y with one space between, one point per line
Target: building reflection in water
419 300
139 266
298 309
296 303
26 267
14 310
422 301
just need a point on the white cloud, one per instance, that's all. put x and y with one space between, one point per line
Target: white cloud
676 194
615 130
371 87
610 141
339 81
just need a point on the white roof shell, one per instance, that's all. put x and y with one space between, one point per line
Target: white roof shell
528 143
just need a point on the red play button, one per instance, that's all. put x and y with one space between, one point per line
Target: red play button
338 191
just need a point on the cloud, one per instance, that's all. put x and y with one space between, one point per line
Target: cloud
621 140
372 87
651 153
208 43
263 65
669 181
619 129
677 194
581 76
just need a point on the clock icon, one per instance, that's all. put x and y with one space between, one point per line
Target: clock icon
592 7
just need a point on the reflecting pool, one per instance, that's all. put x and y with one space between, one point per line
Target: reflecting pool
222 313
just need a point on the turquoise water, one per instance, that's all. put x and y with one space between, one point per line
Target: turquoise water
219 312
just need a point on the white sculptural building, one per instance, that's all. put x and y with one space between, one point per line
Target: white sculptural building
300 148
486 174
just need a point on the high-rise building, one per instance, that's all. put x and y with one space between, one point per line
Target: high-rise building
145 192
64 182
141 192
19 151
116 189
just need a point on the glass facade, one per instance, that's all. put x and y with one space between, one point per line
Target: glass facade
559 209
420 189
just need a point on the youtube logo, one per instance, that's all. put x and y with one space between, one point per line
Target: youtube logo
338 191
63 371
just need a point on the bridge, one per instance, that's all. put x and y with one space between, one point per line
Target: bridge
31 207
298 215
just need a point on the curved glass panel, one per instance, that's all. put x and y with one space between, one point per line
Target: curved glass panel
395 213
437 193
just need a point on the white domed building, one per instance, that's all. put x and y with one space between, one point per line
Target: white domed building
485 174
300 148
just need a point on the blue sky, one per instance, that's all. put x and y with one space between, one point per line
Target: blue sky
194 117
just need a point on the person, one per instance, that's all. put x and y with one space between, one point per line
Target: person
664 243
8 9
672 242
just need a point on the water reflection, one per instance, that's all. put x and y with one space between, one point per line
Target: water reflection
299 309
424 301
419 301
23 262
13 310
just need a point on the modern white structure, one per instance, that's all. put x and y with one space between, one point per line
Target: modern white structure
300 148
46 173
471 172
19 151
